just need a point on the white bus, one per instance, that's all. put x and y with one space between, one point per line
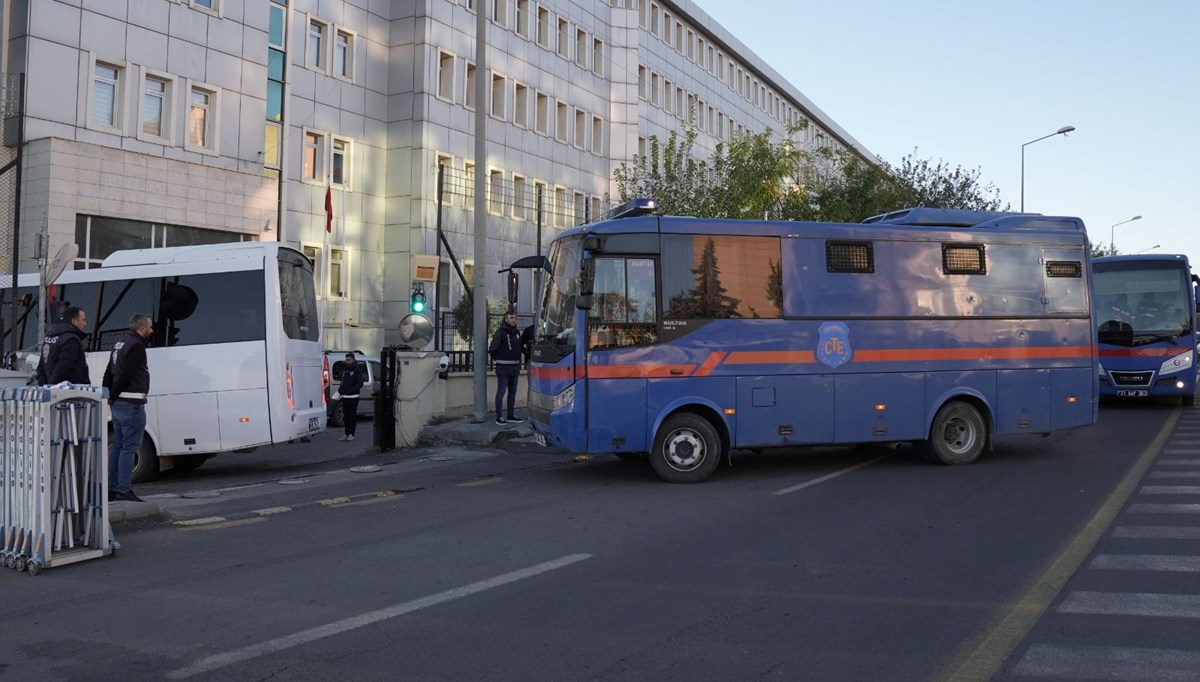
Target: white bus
235 359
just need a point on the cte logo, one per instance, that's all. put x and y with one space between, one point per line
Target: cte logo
833 348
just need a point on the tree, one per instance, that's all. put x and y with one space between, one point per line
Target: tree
707 300
464 317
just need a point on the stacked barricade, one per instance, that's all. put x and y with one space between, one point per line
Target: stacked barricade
53 476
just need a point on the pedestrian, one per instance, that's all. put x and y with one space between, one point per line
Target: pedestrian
352 383
505 350
127 379
63 357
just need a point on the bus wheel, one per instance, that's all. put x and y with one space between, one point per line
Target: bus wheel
958 435
145 462
686 450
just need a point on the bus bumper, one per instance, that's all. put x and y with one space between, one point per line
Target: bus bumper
558 420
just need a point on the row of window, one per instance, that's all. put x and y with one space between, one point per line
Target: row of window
531 109
331 270
160 113
328 48
99 237
515 196
533 21
326 158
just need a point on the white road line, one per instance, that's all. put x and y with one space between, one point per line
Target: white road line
1132 604
1147 508
826 477
1146 562
1175 474
1109 663
219 661
1170 490
1157 532
1187 462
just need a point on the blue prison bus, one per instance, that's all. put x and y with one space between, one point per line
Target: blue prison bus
686 338
1146 317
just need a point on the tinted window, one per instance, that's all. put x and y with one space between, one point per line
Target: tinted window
26 326
117 302
297 297
720 276
375 369
212 308
624 303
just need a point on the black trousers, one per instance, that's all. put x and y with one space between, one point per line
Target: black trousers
350 414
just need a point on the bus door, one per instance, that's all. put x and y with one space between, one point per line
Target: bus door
621 330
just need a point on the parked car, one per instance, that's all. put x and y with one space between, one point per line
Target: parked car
366 402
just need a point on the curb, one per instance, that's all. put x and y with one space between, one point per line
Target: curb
332 502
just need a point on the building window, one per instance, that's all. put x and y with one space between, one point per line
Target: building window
579 209
277 27
643 86
156 108
679 37
542 114
271 146
564 39
208 5
597 134
469 90
523 18
499 88
337 274
313 253
202 119
543 27
495 191
654 88
562 123
668 23
499 12
315 57
343 55
314 156
581 48
106 95
539 203
520 198
560 207
668 96
468 185
655 19
580 129
521 105
340 163
641 147
598 57
445 77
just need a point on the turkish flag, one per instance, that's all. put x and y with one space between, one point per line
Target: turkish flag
329 209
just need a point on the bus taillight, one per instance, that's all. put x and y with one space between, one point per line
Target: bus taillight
325 382
287 381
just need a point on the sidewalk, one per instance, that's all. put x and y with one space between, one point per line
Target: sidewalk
271 464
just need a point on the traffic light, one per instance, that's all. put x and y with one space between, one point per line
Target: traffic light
417 304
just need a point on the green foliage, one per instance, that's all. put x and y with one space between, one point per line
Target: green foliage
464 317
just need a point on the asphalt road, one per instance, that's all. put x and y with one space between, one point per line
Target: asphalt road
508 563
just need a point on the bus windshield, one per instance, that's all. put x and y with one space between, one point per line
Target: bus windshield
556 325
1141 302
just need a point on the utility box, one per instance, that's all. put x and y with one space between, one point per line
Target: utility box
424 267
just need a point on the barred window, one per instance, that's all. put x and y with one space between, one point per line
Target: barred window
843 256
1064 268
963 259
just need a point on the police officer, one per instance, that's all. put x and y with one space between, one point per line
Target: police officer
127 379
63 357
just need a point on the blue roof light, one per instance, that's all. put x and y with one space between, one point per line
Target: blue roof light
630 209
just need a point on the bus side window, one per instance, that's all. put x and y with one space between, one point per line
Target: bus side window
625 303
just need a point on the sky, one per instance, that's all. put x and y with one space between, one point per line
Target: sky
970 82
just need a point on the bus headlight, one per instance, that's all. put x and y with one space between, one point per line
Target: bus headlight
1100 367
1177 364
563 400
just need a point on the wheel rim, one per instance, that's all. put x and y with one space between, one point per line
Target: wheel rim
959 435
684 449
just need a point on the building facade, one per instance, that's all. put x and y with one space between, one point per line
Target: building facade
323 123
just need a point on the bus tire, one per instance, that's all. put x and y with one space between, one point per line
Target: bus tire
958 435
145 462
1188 400
687 449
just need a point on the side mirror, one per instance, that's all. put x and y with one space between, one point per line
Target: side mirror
587 276
514 286
583 302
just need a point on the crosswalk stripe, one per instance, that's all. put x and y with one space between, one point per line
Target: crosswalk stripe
1178 462
1157 532
1170 490
1084 662
1132 604
1175 474
1153 508
1146 562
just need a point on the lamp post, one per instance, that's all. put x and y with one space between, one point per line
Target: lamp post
1112 232
1151 248
1061 131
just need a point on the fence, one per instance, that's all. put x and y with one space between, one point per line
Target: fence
459 350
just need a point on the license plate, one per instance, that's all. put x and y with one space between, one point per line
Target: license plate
314 423
539 438
1129 393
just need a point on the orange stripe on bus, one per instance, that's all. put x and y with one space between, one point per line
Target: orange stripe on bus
638 371
710 364
988 353
770 357
552 373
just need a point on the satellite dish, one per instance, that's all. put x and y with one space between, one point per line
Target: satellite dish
66 253
416 331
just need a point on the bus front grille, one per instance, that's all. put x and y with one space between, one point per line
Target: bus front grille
1131 378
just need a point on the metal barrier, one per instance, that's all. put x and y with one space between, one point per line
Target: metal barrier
53 476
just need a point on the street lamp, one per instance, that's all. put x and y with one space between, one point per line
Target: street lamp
1061 131
1151 248
1112 242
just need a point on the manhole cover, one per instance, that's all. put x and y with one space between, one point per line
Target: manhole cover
368 469
198 494
292 481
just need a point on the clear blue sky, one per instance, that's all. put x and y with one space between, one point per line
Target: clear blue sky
970 81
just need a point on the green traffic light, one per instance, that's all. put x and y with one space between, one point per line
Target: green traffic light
418 307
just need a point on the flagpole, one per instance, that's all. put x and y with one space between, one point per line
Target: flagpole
325 257
345 255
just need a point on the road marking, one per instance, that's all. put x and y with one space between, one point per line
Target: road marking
219 661
1157 532
1132 604
269 511
1148 508
1146 562
1170 490
333 501
480 482
1175 474
227 524
201 521
1179 462
369 500
1108 663
826 477
981 658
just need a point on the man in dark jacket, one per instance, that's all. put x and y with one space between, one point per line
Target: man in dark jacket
505 350
63 357
127 379
353 377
